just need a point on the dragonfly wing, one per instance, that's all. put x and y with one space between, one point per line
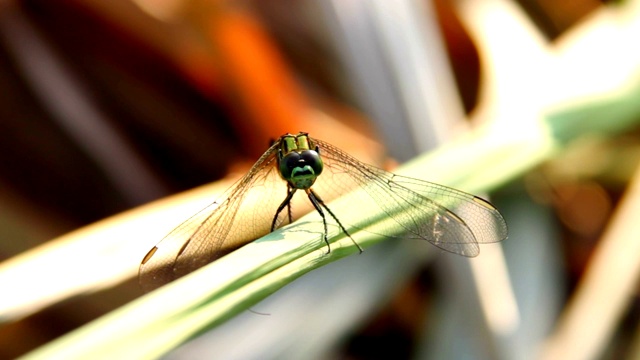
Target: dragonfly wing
242 214
165 262
449 219
484 219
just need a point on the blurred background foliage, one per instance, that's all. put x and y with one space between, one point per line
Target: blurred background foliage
106 106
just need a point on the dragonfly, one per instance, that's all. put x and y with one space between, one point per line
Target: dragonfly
298 164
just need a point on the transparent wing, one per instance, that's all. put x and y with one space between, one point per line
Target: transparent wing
243 213
449 219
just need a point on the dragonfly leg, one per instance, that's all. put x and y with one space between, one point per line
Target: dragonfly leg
316 204
313 194
286 202
289 206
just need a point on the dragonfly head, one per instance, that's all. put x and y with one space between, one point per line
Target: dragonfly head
299 165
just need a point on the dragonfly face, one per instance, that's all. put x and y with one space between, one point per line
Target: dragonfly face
298 164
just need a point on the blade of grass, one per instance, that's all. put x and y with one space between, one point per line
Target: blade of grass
158 322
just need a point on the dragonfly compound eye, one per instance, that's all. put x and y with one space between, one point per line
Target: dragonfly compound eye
288 163
312 159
